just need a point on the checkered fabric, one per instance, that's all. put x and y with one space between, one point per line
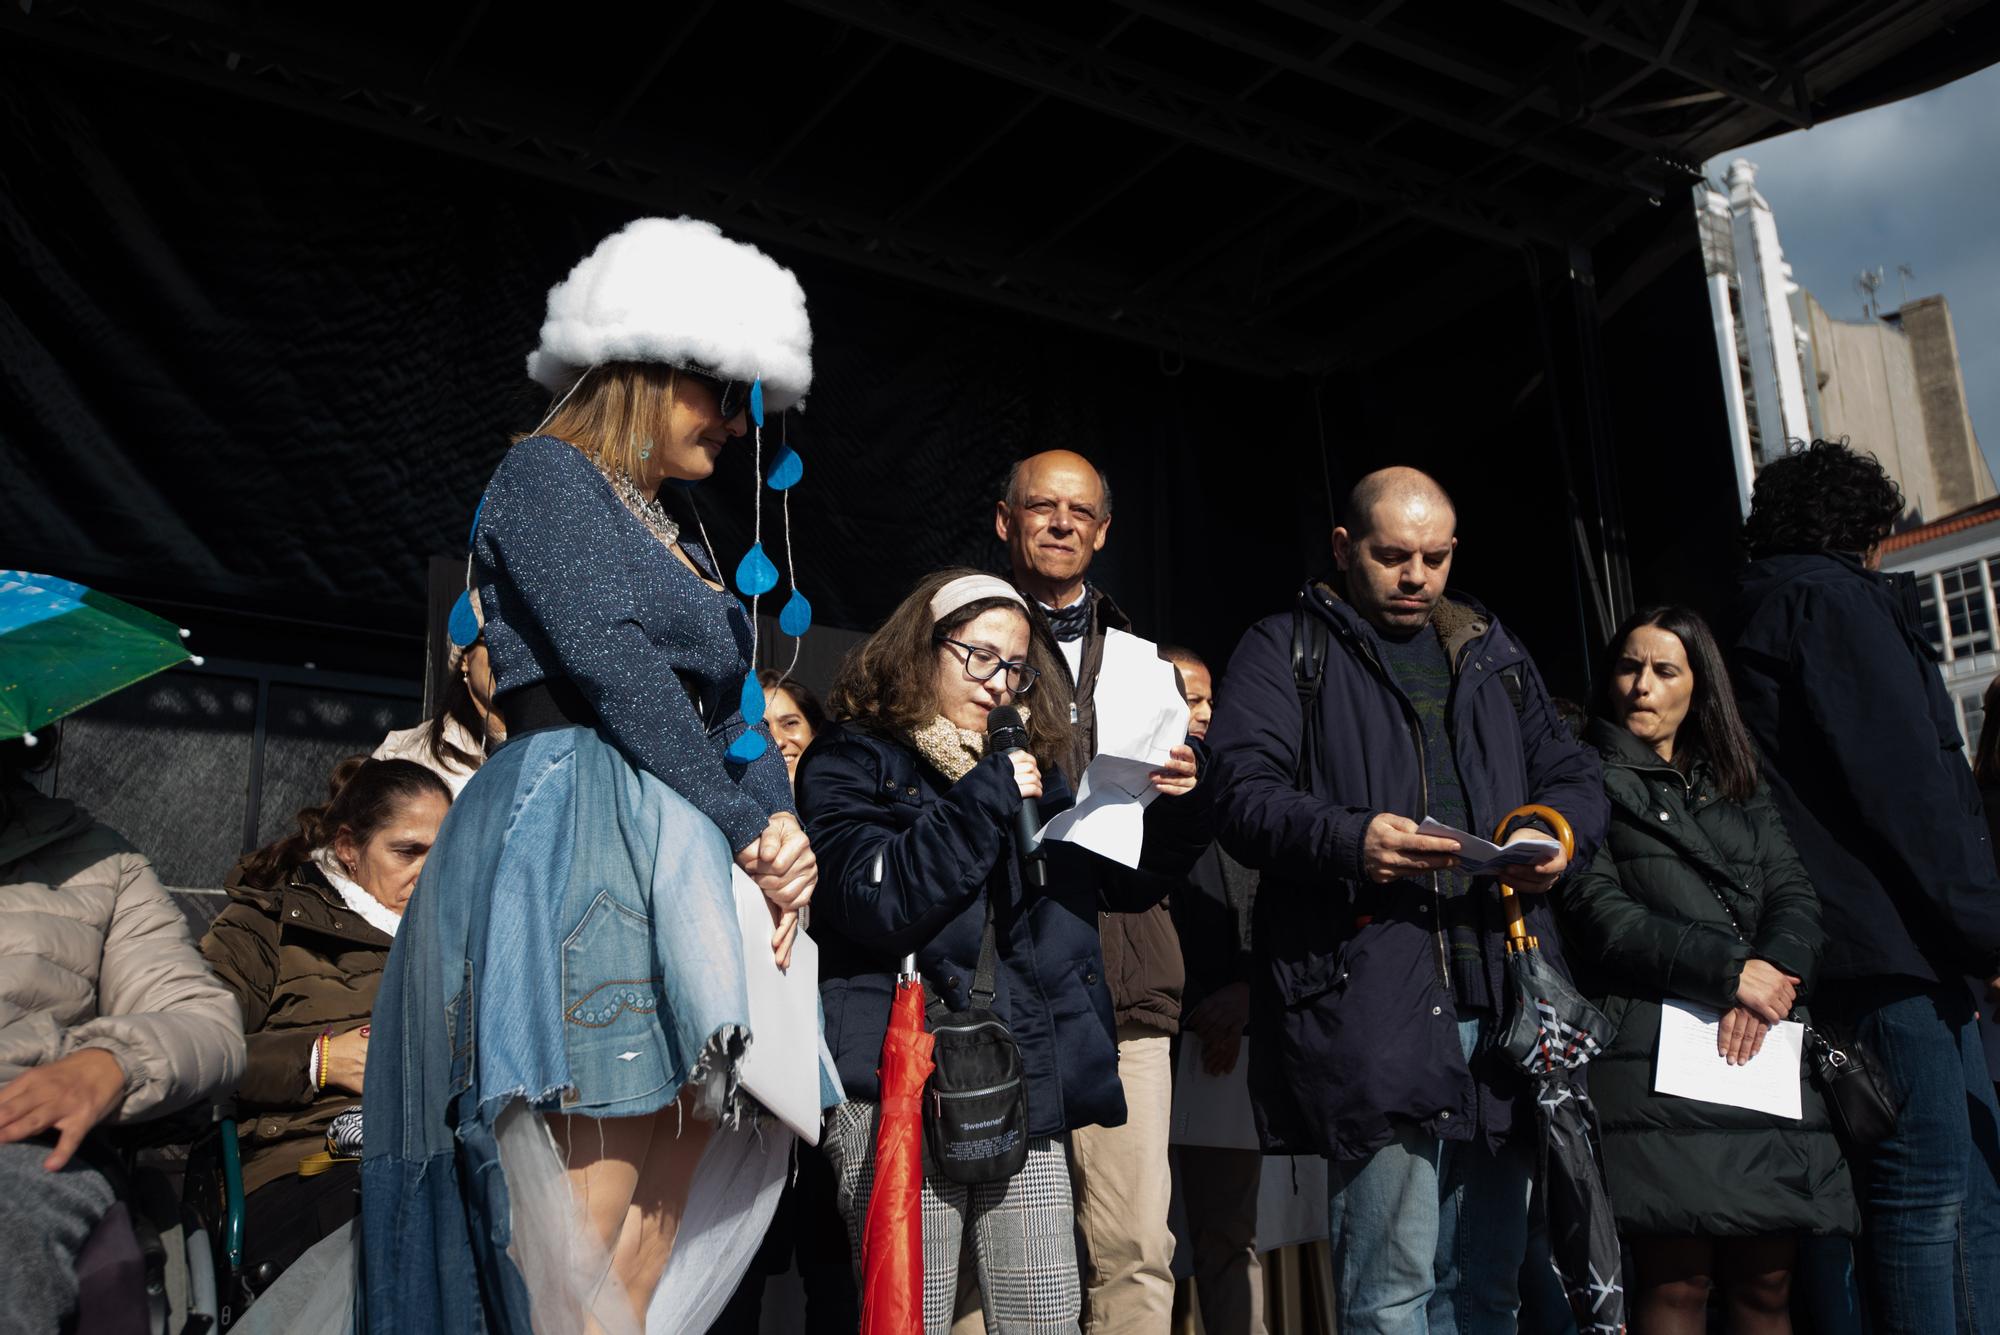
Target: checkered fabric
1021 1232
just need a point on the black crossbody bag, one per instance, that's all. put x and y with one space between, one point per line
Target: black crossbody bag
976 1102
1857 1097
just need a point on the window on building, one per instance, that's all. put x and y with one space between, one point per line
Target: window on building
1965 609
1927 609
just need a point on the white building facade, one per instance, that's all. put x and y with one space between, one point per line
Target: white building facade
1956 563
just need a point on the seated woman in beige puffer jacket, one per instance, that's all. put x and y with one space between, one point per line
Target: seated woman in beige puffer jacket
302 944
107 1016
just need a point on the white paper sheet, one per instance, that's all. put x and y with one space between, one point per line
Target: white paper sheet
780 1068
1141 717
1483 857
1690 1067
1212 1110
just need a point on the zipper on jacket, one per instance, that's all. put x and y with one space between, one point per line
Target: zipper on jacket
1687 795
1424 796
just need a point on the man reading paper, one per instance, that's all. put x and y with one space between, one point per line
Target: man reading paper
1377 987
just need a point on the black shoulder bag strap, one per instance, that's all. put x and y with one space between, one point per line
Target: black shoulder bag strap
1310 640
982 978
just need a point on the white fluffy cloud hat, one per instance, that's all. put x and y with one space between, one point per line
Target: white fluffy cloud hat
677 290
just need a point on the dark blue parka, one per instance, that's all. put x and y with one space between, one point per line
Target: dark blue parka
944 850
1842 693
1353 1024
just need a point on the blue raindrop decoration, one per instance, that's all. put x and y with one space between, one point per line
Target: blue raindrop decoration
477 511
786 469
757 400
797 616
750 743
755 574
463 627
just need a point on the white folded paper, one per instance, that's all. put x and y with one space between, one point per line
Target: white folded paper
780 1068
1690 1066
1212 1110
1483 857
1141 717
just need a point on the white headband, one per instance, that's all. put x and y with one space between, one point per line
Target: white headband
970 589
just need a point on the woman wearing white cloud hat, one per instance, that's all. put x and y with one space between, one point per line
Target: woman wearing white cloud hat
556 1133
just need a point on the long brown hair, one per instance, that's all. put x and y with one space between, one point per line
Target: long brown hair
1713 730
362 796
889 681
457 706
614 411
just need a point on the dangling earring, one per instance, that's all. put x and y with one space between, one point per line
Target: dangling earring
647 451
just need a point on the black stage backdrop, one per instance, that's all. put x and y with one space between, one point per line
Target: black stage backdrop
255 369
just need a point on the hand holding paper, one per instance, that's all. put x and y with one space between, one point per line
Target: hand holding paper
1141 718
1483 857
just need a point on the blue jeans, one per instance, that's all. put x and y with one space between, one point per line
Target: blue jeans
1932 1231
1428 1235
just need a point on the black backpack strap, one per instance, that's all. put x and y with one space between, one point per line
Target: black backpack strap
1310 641
1515 681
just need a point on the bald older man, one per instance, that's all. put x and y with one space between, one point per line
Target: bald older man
1054 518
1377 986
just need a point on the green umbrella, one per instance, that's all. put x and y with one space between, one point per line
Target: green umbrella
63 646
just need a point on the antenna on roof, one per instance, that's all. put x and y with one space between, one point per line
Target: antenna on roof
1904 275
1867 282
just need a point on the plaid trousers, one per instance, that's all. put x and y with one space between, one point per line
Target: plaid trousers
1021 1232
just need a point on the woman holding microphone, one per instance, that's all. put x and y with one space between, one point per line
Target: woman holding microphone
913 816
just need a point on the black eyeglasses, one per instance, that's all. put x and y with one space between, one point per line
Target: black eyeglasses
731 396
984 664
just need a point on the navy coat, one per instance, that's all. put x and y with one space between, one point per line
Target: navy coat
1353 1024
945 850
1861 747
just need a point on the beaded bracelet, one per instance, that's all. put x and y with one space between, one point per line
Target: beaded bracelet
319 1062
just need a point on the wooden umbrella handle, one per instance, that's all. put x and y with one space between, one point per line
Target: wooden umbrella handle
1517 930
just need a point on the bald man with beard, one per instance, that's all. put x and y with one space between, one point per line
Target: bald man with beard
1054 518
1377 978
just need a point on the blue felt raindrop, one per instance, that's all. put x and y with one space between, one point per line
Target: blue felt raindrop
755 574
753 699
757 400
463 628
786 469
747 747
797 616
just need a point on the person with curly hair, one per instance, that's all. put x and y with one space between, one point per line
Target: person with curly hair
1862 751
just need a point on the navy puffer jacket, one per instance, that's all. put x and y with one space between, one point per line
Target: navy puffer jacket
1353 1025
944 850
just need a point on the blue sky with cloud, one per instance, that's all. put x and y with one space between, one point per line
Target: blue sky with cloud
1916 183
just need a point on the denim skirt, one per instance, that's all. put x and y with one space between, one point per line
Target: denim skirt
572 947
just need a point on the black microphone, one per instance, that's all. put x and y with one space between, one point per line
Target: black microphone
1006 733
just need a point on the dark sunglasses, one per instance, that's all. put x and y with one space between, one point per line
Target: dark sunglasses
984 664
731 396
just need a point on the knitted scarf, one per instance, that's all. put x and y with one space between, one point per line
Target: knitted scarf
953 750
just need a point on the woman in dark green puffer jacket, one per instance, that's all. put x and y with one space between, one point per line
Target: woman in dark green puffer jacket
1697 895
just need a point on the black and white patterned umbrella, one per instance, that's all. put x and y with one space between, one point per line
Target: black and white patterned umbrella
1552 1032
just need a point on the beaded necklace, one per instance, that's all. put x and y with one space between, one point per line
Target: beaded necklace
646 509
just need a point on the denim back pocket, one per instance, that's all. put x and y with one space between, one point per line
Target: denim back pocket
611 1003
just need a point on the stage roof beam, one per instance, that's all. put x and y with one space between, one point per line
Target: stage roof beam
1602 27
1002 45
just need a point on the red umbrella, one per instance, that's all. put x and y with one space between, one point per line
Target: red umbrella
892 1238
